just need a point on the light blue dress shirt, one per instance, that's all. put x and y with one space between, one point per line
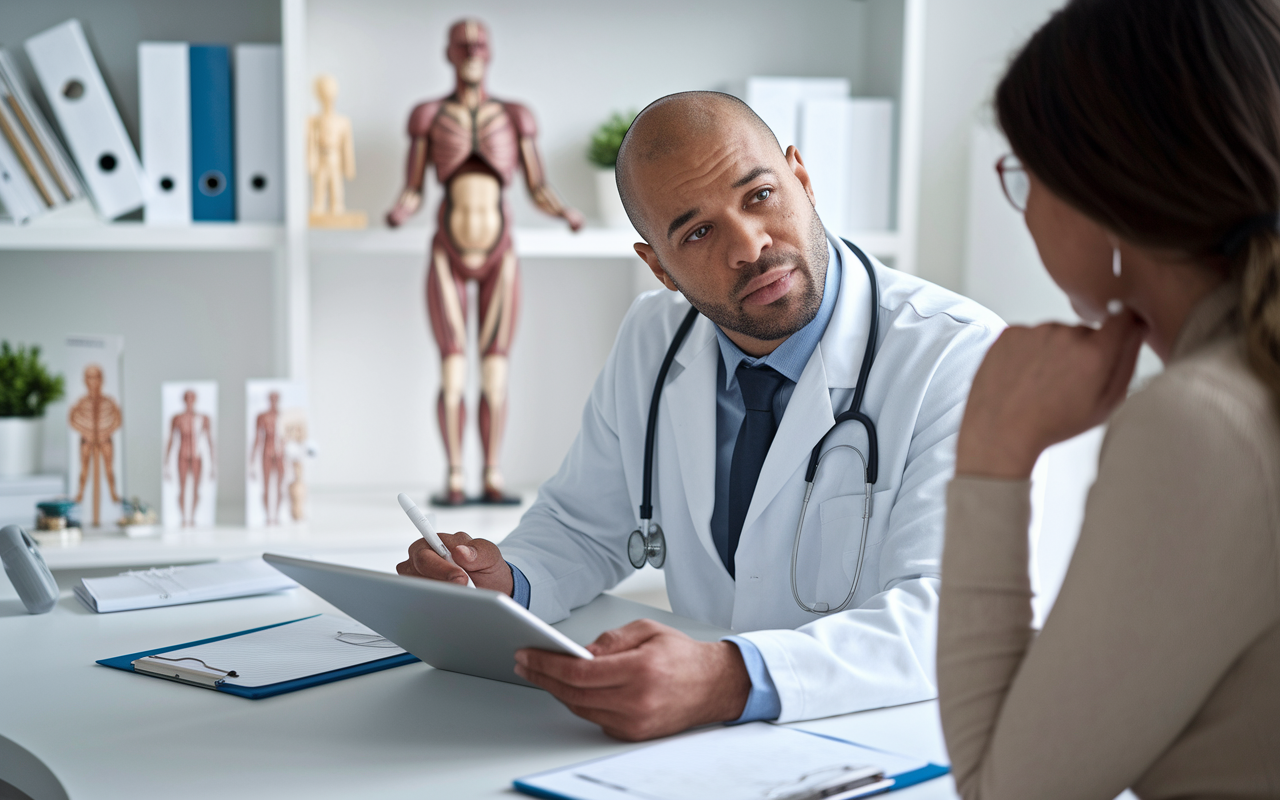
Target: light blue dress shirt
789 359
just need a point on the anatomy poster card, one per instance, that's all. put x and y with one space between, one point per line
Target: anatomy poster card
275 491
95 425
189 436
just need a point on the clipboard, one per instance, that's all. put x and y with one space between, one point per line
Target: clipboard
215 678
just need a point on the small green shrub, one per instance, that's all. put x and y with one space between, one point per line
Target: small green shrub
606 140
26 387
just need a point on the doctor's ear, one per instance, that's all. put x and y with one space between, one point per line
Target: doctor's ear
650 258
801 172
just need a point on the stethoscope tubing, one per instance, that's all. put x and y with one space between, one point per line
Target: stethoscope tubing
871 463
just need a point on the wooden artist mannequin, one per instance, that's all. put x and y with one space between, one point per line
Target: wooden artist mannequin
331 158
476 144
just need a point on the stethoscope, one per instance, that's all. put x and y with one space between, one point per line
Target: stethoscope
648 544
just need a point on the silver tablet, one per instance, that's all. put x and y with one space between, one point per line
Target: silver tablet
472 631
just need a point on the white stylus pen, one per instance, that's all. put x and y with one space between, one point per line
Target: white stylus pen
428 532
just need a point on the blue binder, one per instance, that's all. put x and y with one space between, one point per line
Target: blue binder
258 692
212 154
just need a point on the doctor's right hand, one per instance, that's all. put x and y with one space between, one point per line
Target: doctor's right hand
479 557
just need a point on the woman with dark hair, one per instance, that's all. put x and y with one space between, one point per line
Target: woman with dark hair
1146 141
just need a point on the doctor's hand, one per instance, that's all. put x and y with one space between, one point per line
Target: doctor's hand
1043 385
647 680
479 557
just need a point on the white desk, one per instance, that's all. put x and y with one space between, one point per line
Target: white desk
72 729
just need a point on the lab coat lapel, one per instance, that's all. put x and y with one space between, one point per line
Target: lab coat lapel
807 418
833 365
690 403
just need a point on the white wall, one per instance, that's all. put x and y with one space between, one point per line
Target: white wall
968 43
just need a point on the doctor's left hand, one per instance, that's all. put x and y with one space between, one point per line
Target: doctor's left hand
647 680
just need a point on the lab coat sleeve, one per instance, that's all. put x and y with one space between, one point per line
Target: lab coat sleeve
883 653
571 543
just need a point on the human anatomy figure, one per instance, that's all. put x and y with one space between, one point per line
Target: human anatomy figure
330 159
476 143
187 427
297 449
96 417
272 460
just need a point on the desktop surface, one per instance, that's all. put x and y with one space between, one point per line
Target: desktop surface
71 728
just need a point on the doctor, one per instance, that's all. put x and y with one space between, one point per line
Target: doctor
729 226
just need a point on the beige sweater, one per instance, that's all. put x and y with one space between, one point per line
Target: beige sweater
1159 666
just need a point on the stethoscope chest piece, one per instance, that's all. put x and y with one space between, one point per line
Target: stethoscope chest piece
651 549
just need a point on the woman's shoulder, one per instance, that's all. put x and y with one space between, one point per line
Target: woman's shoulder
1209 400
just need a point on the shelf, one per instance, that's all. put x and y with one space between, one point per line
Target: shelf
135 236
530 242
535 242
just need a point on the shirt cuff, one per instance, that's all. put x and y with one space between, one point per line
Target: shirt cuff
763 702
520 591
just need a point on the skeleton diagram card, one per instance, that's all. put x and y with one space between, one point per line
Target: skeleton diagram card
189 436
94 427
275 491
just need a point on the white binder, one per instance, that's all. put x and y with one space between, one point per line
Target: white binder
259 118
871 164
777 101
824 146
16 192
88 118
32 120
164 108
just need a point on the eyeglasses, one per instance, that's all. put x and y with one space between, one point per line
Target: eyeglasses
1014 181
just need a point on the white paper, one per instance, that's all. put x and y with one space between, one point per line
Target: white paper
169 586
756 760
288 652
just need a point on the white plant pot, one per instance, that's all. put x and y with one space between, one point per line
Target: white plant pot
609 204
19 446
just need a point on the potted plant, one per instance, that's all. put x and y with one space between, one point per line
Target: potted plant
603 154
26 387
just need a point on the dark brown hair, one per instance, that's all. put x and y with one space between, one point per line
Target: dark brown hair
1160 119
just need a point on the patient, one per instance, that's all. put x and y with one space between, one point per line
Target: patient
1146 140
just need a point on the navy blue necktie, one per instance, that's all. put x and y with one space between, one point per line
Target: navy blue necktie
758 386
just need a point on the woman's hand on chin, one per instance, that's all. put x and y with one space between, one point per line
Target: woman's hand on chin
1040 386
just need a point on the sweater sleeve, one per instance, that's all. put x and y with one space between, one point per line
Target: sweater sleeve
1173 577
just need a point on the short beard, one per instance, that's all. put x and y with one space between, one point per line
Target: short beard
795 310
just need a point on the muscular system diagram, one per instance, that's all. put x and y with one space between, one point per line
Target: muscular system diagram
187 427
96 417
267 441
476 144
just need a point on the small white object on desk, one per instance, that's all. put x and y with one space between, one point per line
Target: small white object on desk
428 531
171 586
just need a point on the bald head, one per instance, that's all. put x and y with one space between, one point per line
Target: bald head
670 126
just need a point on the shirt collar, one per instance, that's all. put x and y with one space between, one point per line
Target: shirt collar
790 357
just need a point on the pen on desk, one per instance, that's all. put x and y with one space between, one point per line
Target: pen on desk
428 531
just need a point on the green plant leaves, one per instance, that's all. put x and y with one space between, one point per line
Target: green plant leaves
603 150
26 387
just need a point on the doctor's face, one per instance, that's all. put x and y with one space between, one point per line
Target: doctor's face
731 224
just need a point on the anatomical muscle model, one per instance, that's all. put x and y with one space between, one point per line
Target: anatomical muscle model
476 143
188 426
96 417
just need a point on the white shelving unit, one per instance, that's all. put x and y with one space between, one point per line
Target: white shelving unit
293 244
330 294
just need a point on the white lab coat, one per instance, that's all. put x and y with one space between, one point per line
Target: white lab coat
572 543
